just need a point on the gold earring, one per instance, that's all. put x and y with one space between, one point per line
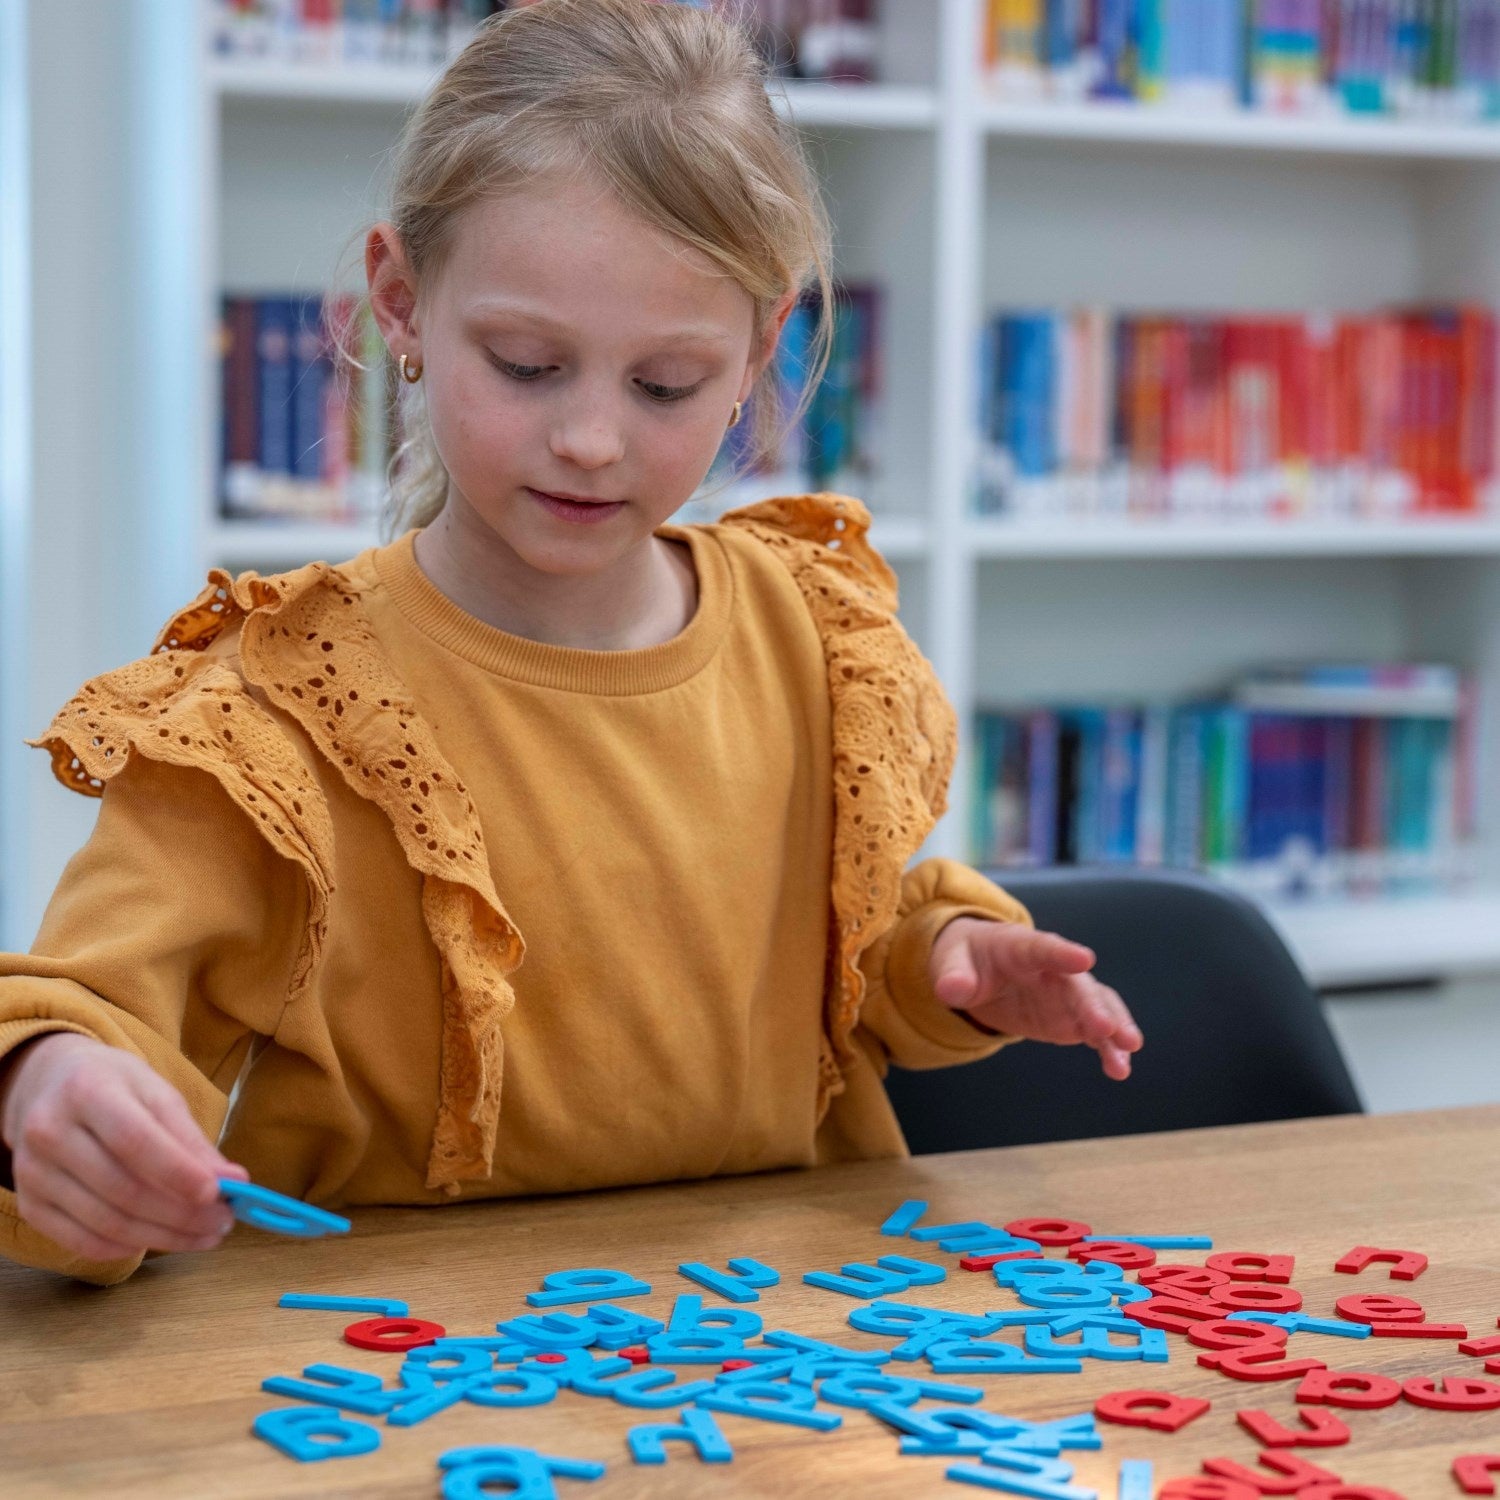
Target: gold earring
411 373
734 420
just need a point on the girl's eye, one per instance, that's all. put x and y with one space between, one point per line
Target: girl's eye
520 372
668 393
662 394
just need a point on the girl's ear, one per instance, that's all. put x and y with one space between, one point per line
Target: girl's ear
774 324
770 336
393 293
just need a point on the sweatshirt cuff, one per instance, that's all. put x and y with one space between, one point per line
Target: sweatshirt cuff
24 1029
909 979
21 1243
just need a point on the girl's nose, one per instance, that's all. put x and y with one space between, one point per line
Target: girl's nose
589 437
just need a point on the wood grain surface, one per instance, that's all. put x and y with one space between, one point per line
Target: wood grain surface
149 1389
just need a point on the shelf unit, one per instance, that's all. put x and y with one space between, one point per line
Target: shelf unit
958 204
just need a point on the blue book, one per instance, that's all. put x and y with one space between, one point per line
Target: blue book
312 369
1088 804
988 752
1042 812
1115 23
1120 785
1271 752
1186 758
1308 824
1010 341
1223 55
1338 785
273 359
1032 378
1228 785
1057 40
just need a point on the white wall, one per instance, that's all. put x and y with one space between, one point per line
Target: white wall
85 549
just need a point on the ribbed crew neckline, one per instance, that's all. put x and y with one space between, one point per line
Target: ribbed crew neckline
568 668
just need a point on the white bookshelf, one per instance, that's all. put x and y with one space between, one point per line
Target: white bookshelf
958 203
989 537
1375 138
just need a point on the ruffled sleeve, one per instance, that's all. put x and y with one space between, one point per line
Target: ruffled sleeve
303 644
894 736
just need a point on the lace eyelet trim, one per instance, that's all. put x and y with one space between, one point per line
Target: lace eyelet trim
894 737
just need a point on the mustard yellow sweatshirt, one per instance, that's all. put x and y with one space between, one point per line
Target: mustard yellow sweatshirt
333 803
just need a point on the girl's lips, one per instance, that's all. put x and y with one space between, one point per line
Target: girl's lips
581 512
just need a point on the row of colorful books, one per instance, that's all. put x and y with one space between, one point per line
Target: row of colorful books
1090 413
1338 779
303 435
822 39
1437 58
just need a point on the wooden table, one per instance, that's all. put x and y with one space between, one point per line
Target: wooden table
149 1388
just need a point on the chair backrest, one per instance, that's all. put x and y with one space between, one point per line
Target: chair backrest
1233 1032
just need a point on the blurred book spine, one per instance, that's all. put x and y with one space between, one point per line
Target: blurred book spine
836 443
1087 413
304 435
1425 58
1357 780
811 39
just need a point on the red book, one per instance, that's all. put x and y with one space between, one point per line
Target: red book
241 388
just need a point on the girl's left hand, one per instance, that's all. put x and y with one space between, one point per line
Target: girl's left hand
1031 984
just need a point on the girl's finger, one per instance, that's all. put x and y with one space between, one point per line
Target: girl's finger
1116 1062
147 1149
50 1220
1082 1002
1033 953
114 1226
83 1158
1125 1033
171 1109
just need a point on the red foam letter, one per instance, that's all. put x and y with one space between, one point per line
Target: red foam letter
1320 1429
1120 1253
1048 1231
1294 1473
1459 1393
1257 1298
1348 1388
1175 1280
1473 1473
1156 1409
1196 1488
1408 1264
1253 1365
1251 1265
393 1334
1380 1309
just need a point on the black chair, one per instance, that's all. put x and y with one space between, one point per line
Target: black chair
1233 1032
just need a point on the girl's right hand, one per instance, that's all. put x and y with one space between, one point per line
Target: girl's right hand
106 1157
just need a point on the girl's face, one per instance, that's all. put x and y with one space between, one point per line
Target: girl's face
580 369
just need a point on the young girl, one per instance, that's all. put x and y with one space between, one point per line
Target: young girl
679 769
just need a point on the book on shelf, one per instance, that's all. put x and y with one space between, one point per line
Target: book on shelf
836 444
812 39
1389 415
1416 58
303 436
1366 785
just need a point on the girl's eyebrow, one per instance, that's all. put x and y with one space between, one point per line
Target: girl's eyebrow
692 333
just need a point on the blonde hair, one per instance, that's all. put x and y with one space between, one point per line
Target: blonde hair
667 104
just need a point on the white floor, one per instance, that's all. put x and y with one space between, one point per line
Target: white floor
1422 1049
